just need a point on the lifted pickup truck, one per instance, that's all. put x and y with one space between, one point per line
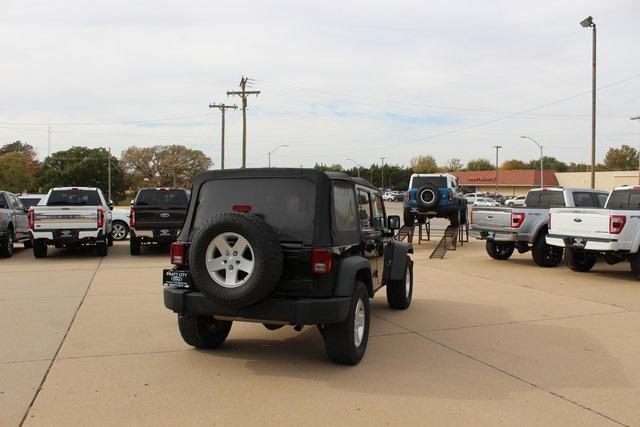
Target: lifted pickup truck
71 217
286 247
156 216
507 229
612 233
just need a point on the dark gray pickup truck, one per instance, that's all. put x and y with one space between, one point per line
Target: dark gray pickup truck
14 225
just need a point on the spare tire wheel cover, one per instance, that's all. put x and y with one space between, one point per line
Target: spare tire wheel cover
428 196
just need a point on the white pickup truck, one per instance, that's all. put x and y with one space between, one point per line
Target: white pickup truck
71 216
612 233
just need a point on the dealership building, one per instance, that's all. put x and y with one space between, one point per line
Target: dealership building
516 182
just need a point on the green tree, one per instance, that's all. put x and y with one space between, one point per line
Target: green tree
513 164
424 164
480 165
454 165
162 166
578 167
14 173
550 163
624 158
82 166
328 168
27 150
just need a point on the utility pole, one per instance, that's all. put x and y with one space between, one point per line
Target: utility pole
638 118
497 147
588 23
382 171
222 107
109 173
243 94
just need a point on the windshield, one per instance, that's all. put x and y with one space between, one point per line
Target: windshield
160 197
74 198
420 181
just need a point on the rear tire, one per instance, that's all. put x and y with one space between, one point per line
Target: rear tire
400 292
634 261
500 250
134 246
546 255
102 249
408 217
203 331
39 248
580 260
346 342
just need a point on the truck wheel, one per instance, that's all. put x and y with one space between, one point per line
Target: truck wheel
134 246
236 259
546 255
6 245
409 217
102 248
346 342
400 292
119 230
580 260
39 248
500 250
203 331
635 265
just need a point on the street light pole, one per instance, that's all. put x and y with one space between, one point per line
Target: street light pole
357 166
497 147
588 23
382 171
273 151
541 160
638 118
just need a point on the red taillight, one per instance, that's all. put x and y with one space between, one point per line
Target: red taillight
616 223
321 261
31 215
241 208
100 218
178 251
517 218
132 217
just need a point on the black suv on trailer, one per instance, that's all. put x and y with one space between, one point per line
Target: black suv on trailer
285 247
156 216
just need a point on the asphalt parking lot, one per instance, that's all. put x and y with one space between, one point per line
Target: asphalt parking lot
88 341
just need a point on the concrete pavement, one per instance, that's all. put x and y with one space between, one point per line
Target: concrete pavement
88 341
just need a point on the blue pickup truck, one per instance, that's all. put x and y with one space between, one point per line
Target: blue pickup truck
434 196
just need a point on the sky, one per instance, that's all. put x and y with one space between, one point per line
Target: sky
341 82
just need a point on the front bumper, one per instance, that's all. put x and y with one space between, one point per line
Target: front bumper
589 244
303 311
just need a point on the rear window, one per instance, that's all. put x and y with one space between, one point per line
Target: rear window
74 198
344 204
288 205
545 199
624 199
421 181
157 197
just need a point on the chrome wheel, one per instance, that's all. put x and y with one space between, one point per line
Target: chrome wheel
407 283
118 231
359 322
230 260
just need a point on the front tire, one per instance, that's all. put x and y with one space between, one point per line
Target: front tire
119 230
203 331
400 292
500 250
546 255
580 260
346 342
39 248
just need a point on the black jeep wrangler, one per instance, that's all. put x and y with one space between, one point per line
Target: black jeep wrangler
285 247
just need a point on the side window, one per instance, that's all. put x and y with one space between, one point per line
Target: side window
618 200
533 199
364 209
634 201
601 199
583 200
378 211
3 202
345 207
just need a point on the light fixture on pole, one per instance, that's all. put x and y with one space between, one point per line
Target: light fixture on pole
497 147
273 151
638 118
588 23
541 160
357 166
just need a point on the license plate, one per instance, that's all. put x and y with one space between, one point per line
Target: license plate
578 243
165 232
177 279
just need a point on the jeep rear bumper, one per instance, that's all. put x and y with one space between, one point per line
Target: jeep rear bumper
303 311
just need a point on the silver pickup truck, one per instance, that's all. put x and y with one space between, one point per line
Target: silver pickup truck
525 228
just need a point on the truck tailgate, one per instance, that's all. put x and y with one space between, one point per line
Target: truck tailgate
150 217
491 217
580 222
65 218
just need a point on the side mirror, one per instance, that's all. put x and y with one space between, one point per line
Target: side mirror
393 222
131 203
110 205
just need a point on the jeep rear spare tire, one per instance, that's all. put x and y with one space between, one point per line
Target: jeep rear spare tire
428 196
236 259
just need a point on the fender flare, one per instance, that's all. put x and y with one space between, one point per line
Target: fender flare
395 260
534 233
350 269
